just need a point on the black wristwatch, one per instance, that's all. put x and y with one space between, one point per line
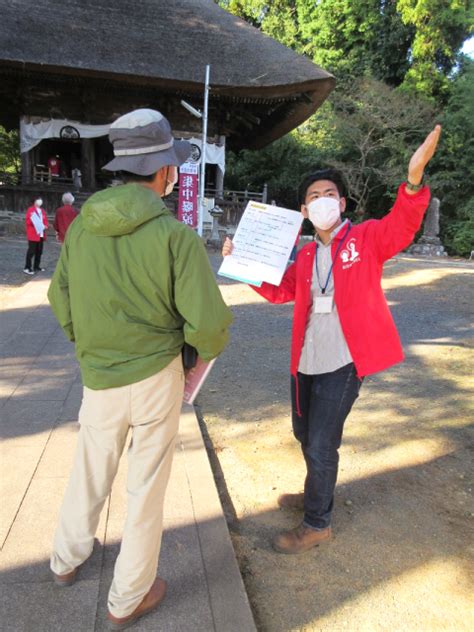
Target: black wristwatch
414 187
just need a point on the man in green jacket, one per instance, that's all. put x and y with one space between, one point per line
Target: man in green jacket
131 287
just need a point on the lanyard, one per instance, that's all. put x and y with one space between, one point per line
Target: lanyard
323 289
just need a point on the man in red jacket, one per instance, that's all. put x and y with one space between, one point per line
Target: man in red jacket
342 327
64 216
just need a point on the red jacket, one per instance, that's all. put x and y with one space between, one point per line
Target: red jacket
31 233
365 318
65 215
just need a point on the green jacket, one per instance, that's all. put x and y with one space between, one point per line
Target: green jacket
131 286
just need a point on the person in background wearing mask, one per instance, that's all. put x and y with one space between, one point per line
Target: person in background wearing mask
132 285
36 223
64 216
342 327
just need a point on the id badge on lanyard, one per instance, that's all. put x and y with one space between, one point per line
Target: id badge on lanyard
323 304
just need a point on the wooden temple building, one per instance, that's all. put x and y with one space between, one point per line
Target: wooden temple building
79 65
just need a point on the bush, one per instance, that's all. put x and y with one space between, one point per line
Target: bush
458 235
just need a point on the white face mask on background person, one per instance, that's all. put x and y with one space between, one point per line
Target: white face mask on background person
39 202
170 183
324 212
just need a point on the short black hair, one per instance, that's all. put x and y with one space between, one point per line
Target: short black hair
127 176
321 174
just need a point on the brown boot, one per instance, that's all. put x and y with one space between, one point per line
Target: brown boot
151 600
67 579
291 501
300 539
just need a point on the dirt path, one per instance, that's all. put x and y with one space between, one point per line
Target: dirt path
404 509
12 261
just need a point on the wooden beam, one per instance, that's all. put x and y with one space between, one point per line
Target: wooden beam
26 167
88 163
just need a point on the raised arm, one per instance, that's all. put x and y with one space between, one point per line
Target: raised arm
421 158
397 230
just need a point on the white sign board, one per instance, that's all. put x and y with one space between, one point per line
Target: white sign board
263 243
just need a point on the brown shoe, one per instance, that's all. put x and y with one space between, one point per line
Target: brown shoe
300 539
291 501
151 600
67 579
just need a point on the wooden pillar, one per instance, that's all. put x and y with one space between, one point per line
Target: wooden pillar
26 167
88 163
220 175
26 159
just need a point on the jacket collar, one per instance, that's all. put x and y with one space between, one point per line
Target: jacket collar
337 233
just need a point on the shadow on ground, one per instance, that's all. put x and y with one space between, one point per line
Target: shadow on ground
404 502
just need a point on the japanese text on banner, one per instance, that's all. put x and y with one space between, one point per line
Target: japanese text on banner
188 194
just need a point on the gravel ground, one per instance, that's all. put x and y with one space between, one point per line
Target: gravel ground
400 557
12 261
403 512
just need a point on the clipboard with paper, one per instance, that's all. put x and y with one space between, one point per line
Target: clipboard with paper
263 243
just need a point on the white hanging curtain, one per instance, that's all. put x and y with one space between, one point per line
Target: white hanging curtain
32 133
215 154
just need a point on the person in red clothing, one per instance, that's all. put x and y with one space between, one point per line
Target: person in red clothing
342 327
36 224
64 216
54 166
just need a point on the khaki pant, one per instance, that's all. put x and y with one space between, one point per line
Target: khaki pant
151 408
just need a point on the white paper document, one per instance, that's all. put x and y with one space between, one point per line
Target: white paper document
263 243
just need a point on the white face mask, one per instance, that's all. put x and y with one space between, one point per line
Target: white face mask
324 212
39 202
170 183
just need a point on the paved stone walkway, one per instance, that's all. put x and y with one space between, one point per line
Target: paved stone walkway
41 394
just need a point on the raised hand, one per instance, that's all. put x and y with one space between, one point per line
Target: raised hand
422 156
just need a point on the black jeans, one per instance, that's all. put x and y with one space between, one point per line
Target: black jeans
35 249
325 401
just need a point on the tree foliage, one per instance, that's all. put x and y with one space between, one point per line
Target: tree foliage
440 28
280 166
414 42
368 132
9 151
356 38
399 70
377 129
453 166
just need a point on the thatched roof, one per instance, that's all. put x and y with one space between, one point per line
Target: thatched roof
165 44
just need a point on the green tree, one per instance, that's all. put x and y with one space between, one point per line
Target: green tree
366 128
277 18
280 165
10 161
453 180
367 132
414 42
340 35
441 27
356 38
376 128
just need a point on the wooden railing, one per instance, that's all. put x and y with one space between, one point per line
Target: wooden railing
233 203
241 196
42 174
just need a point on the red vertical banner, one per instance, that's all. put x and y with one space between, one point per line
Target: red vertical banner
188 194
